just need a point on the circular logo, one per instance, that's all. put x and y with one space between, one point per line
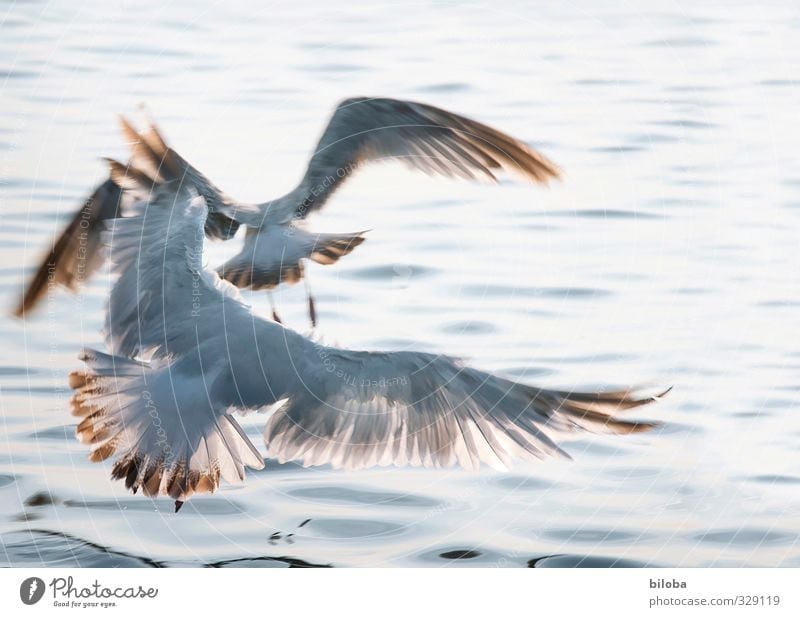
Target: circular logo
31 590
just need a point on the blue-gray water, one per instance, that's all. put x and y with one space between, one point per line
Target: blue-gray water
667 254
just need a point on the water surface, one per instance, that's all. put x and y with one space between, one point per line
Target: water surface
667 254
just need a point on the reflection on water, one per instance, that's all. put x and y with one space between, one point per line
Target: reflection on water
584 561
35 548
668 253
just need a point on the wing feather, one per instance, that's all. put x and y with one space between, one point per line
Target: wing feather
359 409
75 255
424 137
349 409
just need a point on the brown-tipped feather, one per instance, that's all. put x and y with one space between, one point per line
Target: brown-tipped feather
102 453
85 430
617 400
153 475
427 138
495 148
142 154
598 409
328 251
155 140
292 274
130 134
518 156
177 482
208 483
150 150
132 475
76 253
76 379
170 161
128 177
151 479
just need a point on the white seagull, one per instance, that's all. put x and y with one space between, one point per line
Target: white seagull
188 353
361 130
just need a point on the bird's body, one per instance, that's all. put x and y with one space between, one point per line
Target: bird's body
274 254
187 354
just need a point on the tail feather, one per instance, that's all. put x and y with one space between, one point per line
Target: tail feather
168 441
329 248
275 255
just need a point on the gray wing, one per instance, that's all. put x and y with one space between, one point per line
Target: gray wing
359 409
76 254
424 137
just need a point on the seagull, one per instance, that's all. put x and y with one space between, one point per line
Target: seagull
361 131
187 355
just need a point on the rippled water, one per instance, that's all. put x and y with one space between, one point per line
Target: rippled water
668 254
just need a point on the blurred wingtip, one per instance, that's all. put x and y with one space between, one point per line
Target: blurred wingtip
658 397
128 129
19 310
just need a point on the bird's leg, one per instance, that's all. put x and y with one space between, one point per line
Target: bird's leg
312 310
272 306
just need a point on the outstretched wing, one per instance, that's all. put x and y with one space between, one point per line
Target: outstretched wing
169 422
424 137
75 255
358 409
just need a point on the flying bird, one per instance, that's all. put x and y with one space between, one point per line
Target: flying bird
361 131
187 354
